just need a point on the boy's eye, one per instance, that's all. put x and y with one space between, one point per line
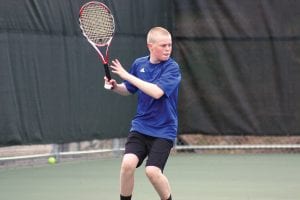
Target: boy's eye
166 45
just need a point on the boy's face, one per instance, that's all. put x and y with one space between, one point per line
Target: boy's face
161 49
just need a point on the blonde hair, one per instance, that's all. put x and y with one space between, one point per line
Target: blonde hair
154 32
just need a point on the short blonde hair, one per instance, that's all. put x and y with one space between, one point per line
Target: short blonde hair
152 34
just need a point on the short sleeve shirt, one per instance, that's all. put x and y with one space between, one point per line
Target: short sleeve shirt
156 117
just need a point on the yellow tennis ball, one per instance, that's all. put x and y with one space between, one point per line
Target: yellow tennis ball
51 160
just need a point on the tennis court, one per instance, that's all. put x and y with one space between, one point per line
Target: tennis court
192 176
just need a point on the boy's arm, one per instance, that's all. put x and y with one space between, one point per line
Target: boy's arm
149 88
121 89
116 87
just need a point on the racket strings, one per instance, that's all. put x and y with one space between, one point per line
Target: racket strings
97 24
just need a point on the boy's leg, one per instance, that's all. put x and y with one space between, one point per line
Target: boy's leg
157 159
128 167
159 182
135 153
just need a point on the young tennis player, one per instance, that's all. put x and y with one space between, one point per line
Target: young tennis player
155 78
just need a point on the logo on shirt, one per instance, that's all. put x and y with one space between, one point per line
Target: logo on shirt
142 70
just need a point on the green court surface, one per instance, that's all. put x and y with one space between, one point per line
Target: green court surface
192 176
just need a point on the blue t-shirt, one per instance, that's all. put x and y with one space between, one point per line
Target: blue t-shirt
156 117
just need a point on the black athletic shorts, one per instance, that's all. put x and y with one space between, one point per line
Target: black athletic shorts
156 149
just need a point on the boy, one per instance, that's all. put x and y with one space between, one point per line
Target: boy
155 78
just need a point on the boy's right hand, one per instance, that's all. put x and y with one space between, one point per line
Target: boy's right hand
109 84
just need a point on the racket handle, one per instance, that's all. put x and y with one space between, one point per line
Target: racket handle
107 73
108 87
108 76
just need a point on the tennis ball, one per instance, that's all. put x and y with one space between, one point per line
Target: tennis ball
51 160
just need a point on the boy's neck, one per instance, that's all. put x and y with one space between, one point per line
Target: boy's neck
154 61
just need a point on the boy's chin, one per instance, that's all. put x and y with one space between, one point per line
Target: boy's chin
165 58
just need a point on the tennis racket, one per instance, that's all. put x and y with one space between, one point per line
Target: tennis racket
98 26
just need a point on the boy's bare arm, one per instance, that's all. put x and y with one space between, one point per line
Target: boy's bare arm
149 88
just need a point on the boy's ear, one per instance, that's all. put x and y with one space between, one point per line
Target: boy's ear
149 45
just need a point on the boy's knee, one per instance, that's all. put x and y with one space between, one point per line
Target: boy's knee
129 163
126 167
152 172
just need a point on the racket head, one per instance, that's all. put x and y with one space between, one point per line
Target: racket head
97 23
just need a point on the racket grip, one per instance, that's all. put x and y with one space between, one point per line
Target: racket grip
108 87
107 73
108 76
